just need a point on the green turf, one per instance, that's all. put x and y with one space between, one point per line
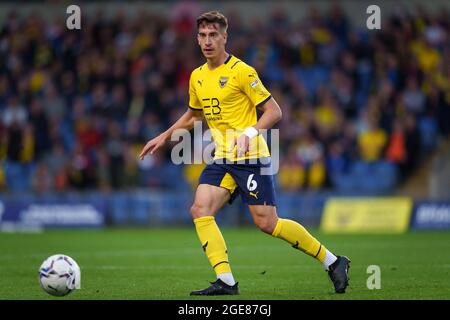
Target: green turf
168 263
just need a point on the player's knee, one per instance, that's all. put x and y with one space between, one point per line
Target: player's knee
198 211
266 225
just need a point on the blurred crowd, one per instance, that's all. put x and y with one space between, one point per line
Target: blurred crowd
77 106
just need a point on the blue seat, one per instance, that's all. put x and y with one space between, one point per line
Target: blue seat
388 174
312 77
428 132
346 182
360 168
18 176
174 207
140 209
118 209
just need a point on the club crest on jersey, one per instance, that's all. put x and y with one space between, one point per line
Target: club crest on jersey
223 81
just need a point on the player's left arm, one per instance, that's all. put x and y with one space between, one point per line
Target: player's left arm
271 115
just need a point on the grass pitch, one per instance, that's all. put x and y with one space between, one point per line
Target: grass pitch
169 263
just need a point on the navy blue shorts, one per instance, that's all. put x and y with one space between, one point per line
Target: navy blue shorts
244 179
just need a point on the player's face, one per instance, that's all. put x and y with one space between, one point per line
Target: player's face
211 40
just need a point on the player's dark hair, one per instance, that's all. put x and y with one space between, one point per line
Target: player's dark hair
212 17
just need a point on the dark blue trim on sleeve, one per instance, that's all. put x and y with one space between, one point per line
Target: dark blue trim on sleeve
264 101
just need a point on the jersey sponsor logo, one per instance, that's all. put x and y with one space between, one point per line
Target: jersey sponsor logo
254 83
212 109
223 81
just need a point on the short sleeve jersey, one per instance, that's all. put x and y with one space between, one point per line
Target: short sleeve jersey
229 96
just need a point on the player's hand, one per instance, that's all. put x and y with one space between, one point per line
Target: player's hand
153 145
242 145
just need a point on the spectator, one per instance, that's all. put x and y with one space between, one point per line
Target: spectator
371 142
14 113
396 149
39 121
412 144
58 161
413 97
337 162
131 169
291 176
41 181
310 155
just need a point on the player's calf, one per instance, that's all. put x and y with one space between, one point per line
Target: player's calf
264 217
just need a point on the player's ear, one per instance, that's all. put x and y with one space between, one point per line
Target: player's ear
225 36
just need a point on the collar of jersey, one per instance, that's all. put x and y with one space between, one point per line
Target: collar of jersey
219 67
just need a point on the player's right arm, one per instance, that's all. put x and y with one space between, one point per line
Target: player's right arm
186 121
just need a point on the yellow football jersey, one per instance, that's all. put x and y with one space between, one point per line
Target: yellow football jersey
228 96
